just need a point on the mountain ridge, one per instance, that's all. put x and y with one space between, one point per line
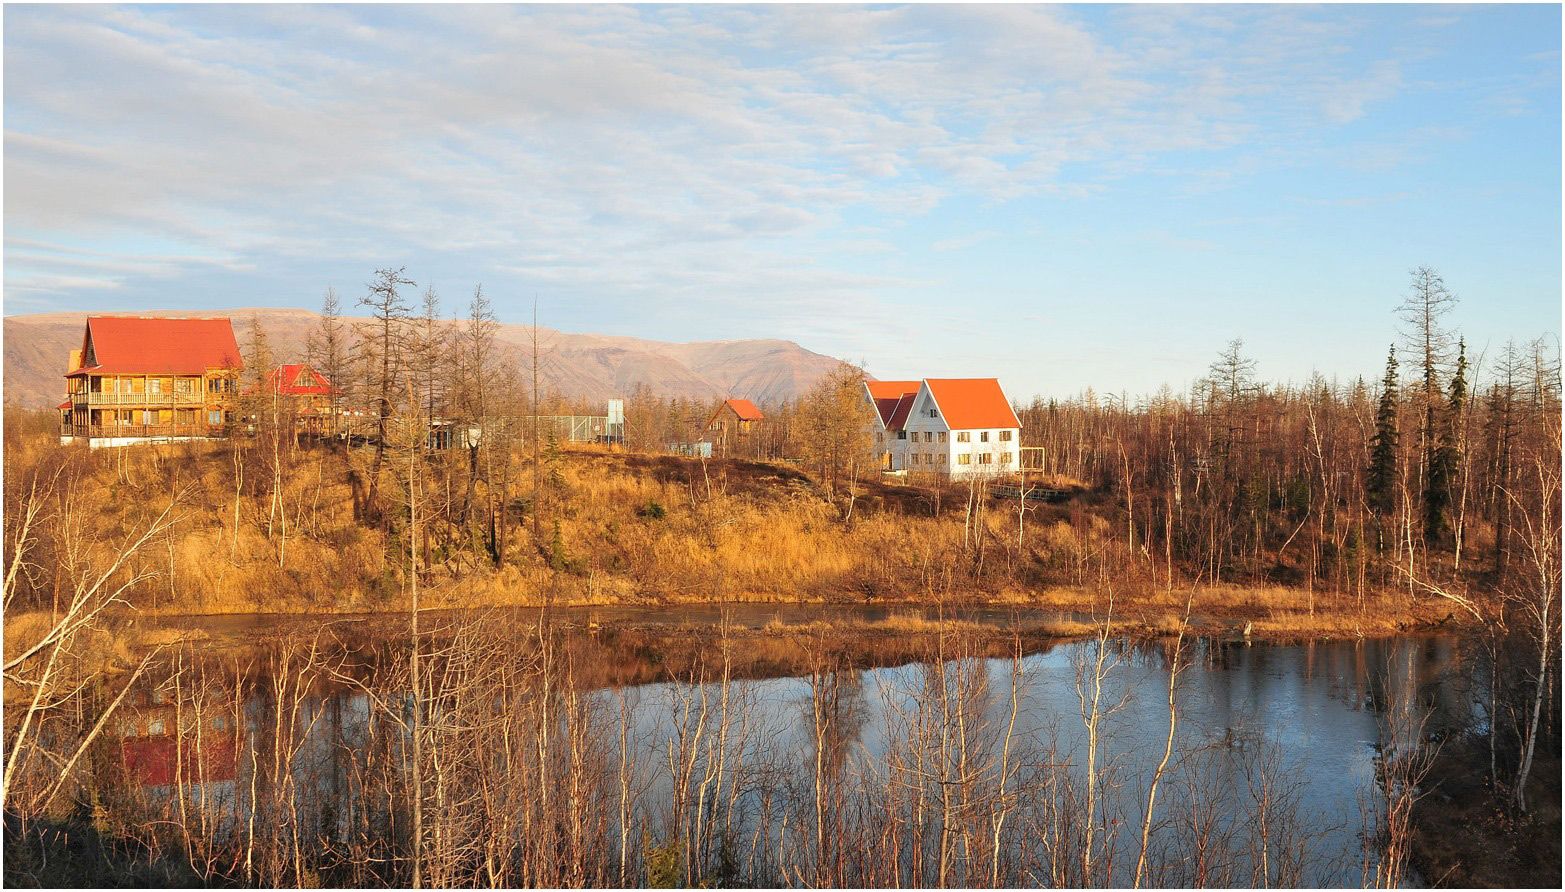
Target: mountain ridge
577 366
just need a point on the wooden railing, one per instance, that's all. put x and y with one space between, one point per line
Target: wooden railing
178 398
142 430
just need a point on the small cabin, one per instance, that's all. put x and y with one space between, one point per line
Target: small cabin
733 421
309 394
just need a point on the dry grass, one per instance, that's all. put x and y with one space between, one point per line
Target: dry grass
660 530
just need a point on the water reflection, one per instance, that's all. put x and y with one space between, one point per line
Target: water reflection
972 769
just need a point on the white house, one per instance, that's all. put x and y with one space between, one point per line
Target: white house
952 426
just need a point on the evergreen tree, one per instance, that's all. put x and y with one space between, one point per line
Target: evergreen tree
1447 461
1380 482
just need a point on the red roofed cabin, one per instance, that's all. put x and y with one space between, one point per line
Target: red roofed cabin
952 426
308 392
139 380
733 422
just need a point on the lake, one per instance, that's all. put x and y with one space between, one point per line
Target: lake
612 749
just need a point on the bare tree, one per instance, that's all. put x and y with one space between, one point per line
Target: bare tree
477 376
328 349
1423 314
381 342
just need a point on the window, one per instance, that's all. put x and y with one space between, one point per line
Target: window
154 385
901 435
964 459
880 437
963 437
942 458
985 458
1005 436
214 417
983 436
942 436
1005 458
154 726
933 413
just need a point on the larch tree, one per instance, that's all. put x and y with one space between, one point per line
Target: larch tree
328 349
1422 314
428 343
835 426
477 376
382 340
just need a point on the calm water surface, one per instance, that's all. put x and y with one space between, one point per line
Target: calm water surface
1304 721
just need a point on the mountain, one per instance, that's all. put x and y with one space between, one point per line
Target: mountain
575 366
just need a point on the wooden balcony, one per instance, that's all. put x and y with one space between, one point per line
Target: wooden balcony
149 431
154 400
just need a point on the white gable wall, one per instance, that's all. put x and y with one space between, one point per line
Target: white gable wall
932 446
928 445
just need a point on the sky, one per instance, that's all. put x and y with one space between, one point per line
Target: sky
1060 196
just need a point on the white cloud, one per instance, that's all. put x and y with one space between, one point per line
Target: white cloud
646 154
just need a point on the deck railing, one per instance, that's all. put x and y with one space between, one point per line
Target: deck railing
178 398
142 430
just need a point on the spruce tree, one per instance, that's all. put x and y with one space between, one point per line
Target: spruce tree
1448 458
1444 454
1380 482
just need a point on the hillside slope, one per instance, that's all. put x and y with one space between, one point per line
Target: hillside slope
575 366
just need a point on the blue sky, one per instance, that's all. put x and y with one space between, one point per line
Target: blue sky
1063 197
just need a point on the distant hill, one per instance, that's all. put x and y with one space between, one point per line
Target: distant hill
575 366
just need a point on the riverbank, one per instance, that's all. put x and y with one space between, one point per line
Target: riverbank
1273 615
1465 837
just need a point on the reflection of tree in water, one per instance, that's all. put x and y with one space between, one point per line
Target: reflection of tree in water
834 714
902 776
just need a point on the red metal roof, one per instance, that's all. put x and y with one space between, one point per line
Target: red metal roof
973 403
150 346
901 411
298 379
886 396
745 409
65 405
